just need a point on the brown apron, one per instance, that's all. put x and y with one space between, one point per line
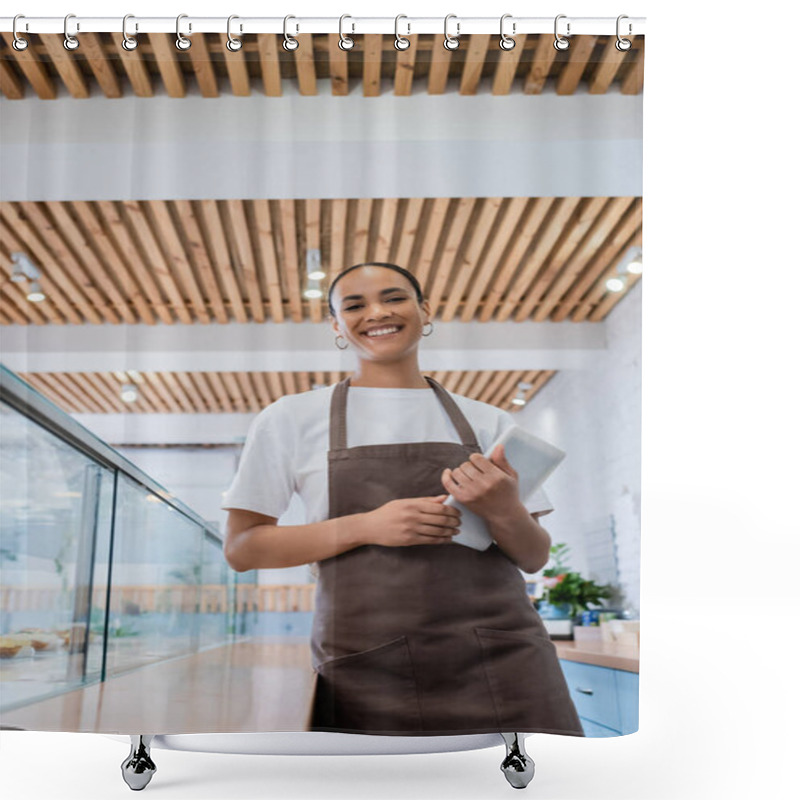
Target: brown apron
425 639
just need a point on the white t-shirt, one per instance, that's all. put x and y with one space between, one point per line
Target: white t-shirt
287 444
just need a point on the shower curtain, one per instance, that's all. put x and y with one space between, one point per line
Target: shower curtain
174 207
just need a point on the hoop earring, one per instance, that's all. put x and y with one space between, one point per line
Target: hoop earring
430 331
336 342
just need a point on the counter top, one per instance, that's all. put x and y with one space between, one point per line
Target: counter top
601 654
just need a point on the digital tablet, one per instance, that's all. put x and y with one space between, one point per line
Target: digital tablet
532 458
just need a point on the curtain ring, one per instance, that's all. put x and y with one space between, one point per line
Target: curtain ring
623 44
70 42
19 44
345 42
561 43
401 43
128 42
289 43
451 42
182 43
233 44
506 42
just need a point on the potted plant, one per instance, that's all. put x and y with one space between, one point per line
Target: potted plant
566 592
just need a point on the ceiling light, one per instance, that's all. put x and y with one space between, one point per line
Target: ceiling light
23 268
635 266
314 269
35 293
615 284
313 292
129 393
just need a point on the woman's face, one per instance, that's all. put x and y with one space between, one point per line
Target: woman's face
370 298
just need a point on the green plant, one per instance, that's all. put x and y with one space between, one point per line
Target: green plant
562 585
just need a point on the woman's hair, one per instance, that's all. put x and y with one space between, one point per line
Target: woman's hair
414 281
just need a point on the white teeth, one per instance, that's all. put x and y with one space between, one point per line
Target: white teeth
382 331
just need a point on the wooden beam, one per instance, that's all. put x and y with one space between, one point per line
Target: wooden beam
100 64
579 52
337 61
373 57
472 69
270 64
507 65
166 55
32 67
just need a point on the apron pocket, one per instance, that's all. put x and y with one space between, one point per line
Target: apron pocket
373 690
526 681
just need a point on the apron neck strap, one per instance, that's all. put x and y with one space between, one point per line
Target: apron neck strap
338 415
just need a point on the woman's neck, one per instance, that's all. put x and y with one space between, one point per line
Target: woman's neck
388 376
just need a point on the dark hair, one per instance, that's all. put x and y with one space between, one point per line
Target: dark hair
414 281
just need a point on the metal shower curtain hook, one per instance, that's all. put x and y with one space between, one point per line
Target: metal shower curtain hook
233 44
19 44
129 42
560 42
623 44
290 43
70 41
451 42
401 43
182 43
506 42
345 42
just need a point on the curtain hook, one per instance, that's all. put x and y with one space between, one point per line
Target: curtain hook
70 42
182 43
288 42
19 44
233 44
561 43
129 42
506 42
623 44
400 42
345 42
451 42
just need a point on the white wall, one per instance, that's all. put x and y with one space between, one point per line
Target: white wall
594 415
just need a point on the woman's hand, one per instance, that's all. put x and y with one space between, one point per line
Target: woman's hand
486 486
413 520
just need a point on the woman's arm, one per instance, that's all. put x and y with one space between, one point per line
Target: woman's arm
520 536
256 541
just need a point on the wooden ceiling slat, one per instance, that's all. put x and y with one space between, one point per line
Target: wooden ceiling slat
606 221
404 68
579 52
91 385
234 392
633 82
497 241
535 214
264 245
469 273
506 69
607 68
202 65
464 381
408 232
55 387
386 223
220 391
457 212
275 385
338 228
542 62
60 306
134 65
143 403
176 256
587 213
168 403
30 311
82 247
10 85
59 261
65 65
477 46
248 391
165 53
242 248
359 238
262 390
303 382
439 68
199 257
546 237
10 315
572 304
291 271
312 236
603 308
495 380
100 65
129 251
337 65
436 213
31 67
304 63
172 383
138 222
373 56
112 389
220 255
270 64
507 388
192 393
237 69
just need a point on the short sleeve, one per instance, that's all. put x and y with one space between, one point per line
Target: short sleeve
264 480
537 502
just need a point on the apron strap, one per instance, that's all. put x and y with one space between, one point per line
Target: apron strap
338 415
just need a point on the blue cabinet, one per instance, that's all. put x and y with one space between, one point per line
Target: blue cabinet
607 700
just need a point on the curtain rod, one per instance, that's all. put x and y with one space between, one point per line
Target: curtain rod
293 25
